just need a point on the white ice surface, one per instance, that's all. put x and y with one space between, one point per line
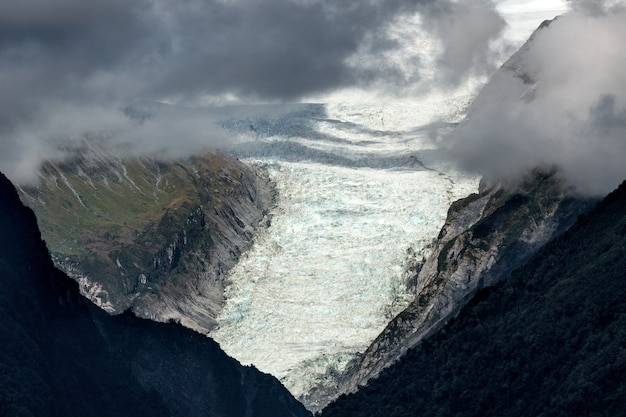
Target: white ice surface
326 277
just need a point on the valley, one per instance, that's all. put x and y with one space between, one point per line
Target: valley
298 208
358 205
298 281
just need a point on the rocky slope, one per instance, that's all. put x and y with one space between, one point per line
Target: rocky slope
547 341
486 236
157 236
60 355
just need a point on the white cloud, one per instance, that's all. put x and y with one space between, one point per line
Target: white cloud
570 112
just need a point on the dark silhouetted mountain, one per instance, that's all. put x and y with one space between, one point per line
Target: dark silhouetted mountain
485 237
548 341
62 356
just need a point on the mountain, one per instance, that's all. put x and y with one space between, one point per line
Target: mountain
63 356
157 236
550 340
486 236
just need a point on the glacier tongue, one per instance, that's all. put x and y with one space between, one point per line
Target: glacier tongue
326 276
361 194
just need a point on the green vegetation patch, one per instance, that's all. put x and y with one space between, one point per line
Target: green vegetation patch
124 221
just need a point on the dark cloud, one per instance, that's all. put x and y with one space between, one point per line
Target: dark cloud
277 49
561 101
68 66
269 49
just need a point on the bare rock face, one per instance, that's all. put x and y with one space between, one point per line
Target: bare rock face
486 236
154 236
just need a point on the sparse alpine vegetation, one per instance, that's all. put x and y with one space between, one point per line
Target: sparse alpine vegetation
149 234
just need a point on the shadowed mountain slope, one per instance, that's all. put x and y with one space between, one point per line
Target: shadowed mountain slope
549 341
62 356
485 237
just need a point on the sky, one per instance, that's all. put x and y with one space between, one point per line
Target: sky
70 67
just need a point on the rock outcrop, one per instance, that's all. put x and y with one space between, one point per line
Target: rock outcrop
154 236
486 236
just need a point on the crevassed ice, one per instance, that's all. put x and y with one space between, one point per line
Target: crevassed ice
360 187
324 279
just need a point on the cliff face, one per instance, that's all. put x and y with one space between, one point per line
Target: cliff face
486 236
549 340
60 355
151 235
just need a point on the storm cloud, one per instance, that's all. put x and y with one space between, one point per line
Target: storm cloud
560 102
269 49
68 67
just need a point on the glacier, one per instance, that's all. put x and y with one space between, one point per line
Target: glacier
362 191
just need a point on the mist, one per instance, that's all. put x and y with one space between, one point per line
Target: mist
70 68
559 103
